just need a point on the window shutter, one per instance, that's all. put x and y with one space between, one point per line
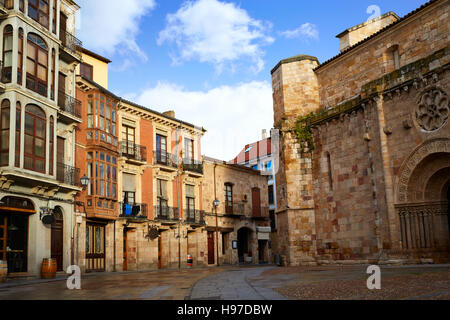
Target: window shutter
129 182
190 191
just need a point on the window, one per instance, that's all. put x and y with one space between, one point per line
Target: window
20 57
52 85
330 176
271 197
162 198
18 135
189 149
7 54
103 170
190 202
396 58
273 221
22 5
87 71
37 64
51 144
128 138
101 116
129 197
161 149
38 10
54 16
34 153
4 132
228 198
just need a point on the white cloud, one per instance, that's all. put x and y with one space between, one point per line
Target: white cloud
215 32
306 30
232 115
111 26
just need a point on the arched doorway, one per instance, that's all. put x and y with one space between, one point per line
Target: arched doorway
244 249
57 238
423 198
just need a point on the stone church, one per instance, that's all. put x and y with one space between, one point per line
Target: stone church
364 170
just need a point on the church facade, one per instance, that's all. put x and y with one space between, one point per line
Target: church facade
364 174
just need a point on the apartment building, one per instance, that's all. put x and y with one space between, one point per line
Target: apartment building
142 208
236 214
39 114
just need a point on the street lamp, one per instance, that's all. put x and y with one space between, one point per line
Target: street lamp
216 203
85 181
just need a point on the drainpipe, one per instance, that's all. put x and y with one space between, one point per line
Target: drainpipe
217 219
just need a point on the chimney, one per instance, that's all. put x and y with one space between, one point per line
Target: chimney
169 113
264 134
362 31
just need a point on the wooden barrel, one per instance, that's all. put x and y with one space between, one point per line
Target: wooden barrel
48 270
3 270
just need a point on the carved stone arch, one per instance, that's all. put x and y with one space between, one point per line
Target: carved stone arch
428 148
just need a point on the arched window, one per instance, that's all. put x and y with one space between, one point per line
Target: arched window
18 131
38 10
51 144
7 54
22 5
20 57
37 64
34 151
4 132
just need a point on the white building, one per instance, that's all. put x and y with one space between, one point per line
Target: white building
38 118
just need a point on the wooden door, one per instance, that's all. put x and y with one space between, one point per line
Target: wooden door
3 236
60 150
256 202
160 251
57 240
95 248
211 257
125 251
62 91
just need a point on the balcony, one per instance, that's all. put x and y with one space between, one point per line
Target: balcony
168 215
195 217
235 209
135 211
167 160
70 108
68 175
5 75
193 166
6 5
70 45
261 213
133 152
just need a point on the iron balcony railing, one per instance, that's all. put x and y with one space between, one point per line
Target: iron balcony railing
166 213
261 212
162 157
7 4
133 151
68 175
235 208
194 216
133 210
69 41
69 104
193 165
5 73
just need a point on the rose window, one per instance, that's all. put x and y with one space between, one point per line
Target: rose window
433 110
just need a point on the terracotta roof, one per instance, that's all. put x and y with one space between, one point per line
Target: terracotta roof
379 32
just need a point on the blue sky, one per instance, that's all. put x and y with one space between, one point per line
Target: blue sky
210 60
